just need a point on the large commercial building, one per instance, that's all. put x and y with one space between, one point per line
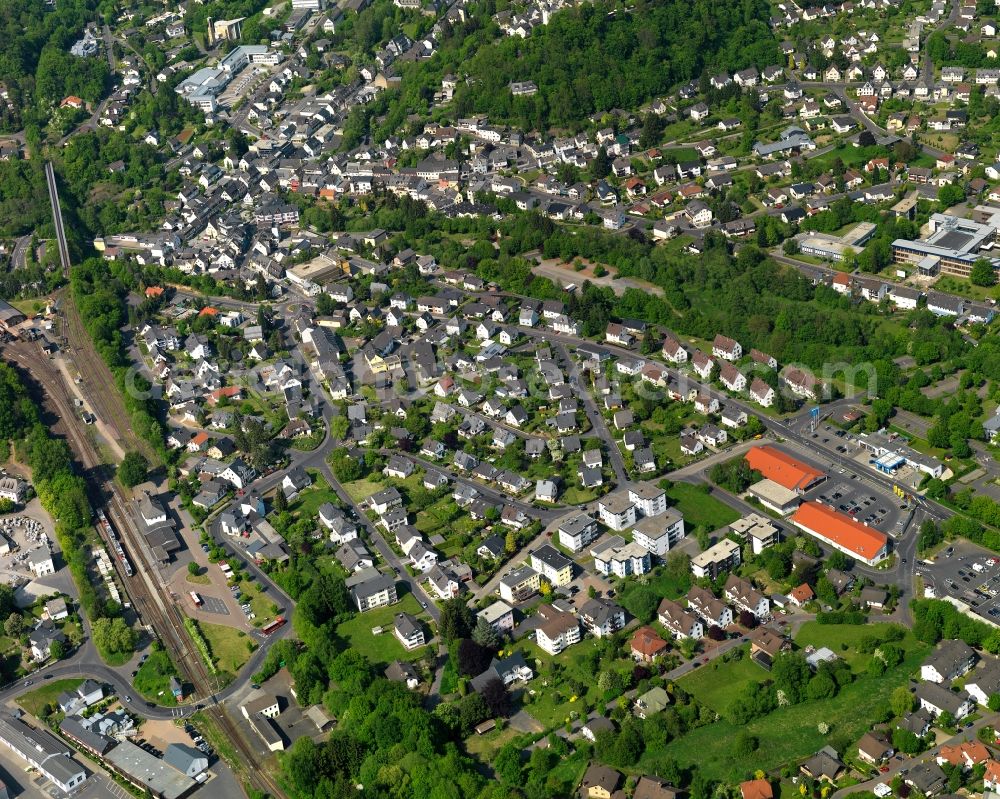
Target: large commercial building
841 532
953 245
203 87
780 467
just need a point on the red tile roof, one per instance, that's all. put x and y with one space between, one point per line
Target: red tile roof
842 530
646 642
756 789
782 468
802 593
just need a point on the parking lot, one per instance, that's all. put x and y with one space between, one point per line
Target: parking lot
968 573
863 503
211 604
846 444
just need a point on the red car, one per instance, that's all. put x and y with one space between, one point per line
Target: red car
884 769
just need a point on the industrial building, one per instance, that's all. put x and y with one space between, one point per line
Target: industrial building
146 771
43 751
836 248
953 245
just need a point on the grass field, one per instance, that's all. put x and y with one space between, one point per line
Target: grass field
845 638
308 502
153 678
956 285
788 734
697 507
359 490
34 701
384 648
229 646
718 684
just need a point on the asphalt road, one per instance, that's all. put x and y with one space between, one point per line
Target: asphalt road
19 256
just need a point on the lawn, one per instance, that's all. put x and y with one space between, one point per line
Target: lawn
153 678
437 516
260 602
360 490
484 747
31 306
659 582
955 285
449 677
577 495
718 684
788 734
384 648
308 502
845 638
229 646
553 700
34 701
697 507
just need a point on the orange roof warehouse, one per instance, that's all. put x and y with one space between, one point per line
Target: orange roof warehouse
783 469
841 532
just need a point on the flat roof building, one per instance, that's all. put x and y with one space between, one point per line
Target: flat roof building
148 771
775 496
953 245
720 557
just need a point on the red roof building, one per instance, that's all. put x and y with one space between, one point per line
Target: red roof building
841 532
783 469
801 594
646 644
756 789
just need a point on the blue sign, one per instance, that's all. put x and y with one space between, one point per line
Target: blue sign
814 412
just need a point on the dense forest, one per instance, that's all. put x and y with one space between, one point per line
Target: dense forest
24 201
35 64
587 61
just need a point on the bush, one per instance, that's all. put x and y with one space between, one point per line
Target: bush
133 469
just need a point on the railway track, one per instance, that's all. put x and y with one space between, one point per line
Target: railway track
98 382
154 607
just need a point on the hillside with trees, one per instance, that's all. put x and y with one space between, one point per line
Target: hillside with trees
588 61
35 64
